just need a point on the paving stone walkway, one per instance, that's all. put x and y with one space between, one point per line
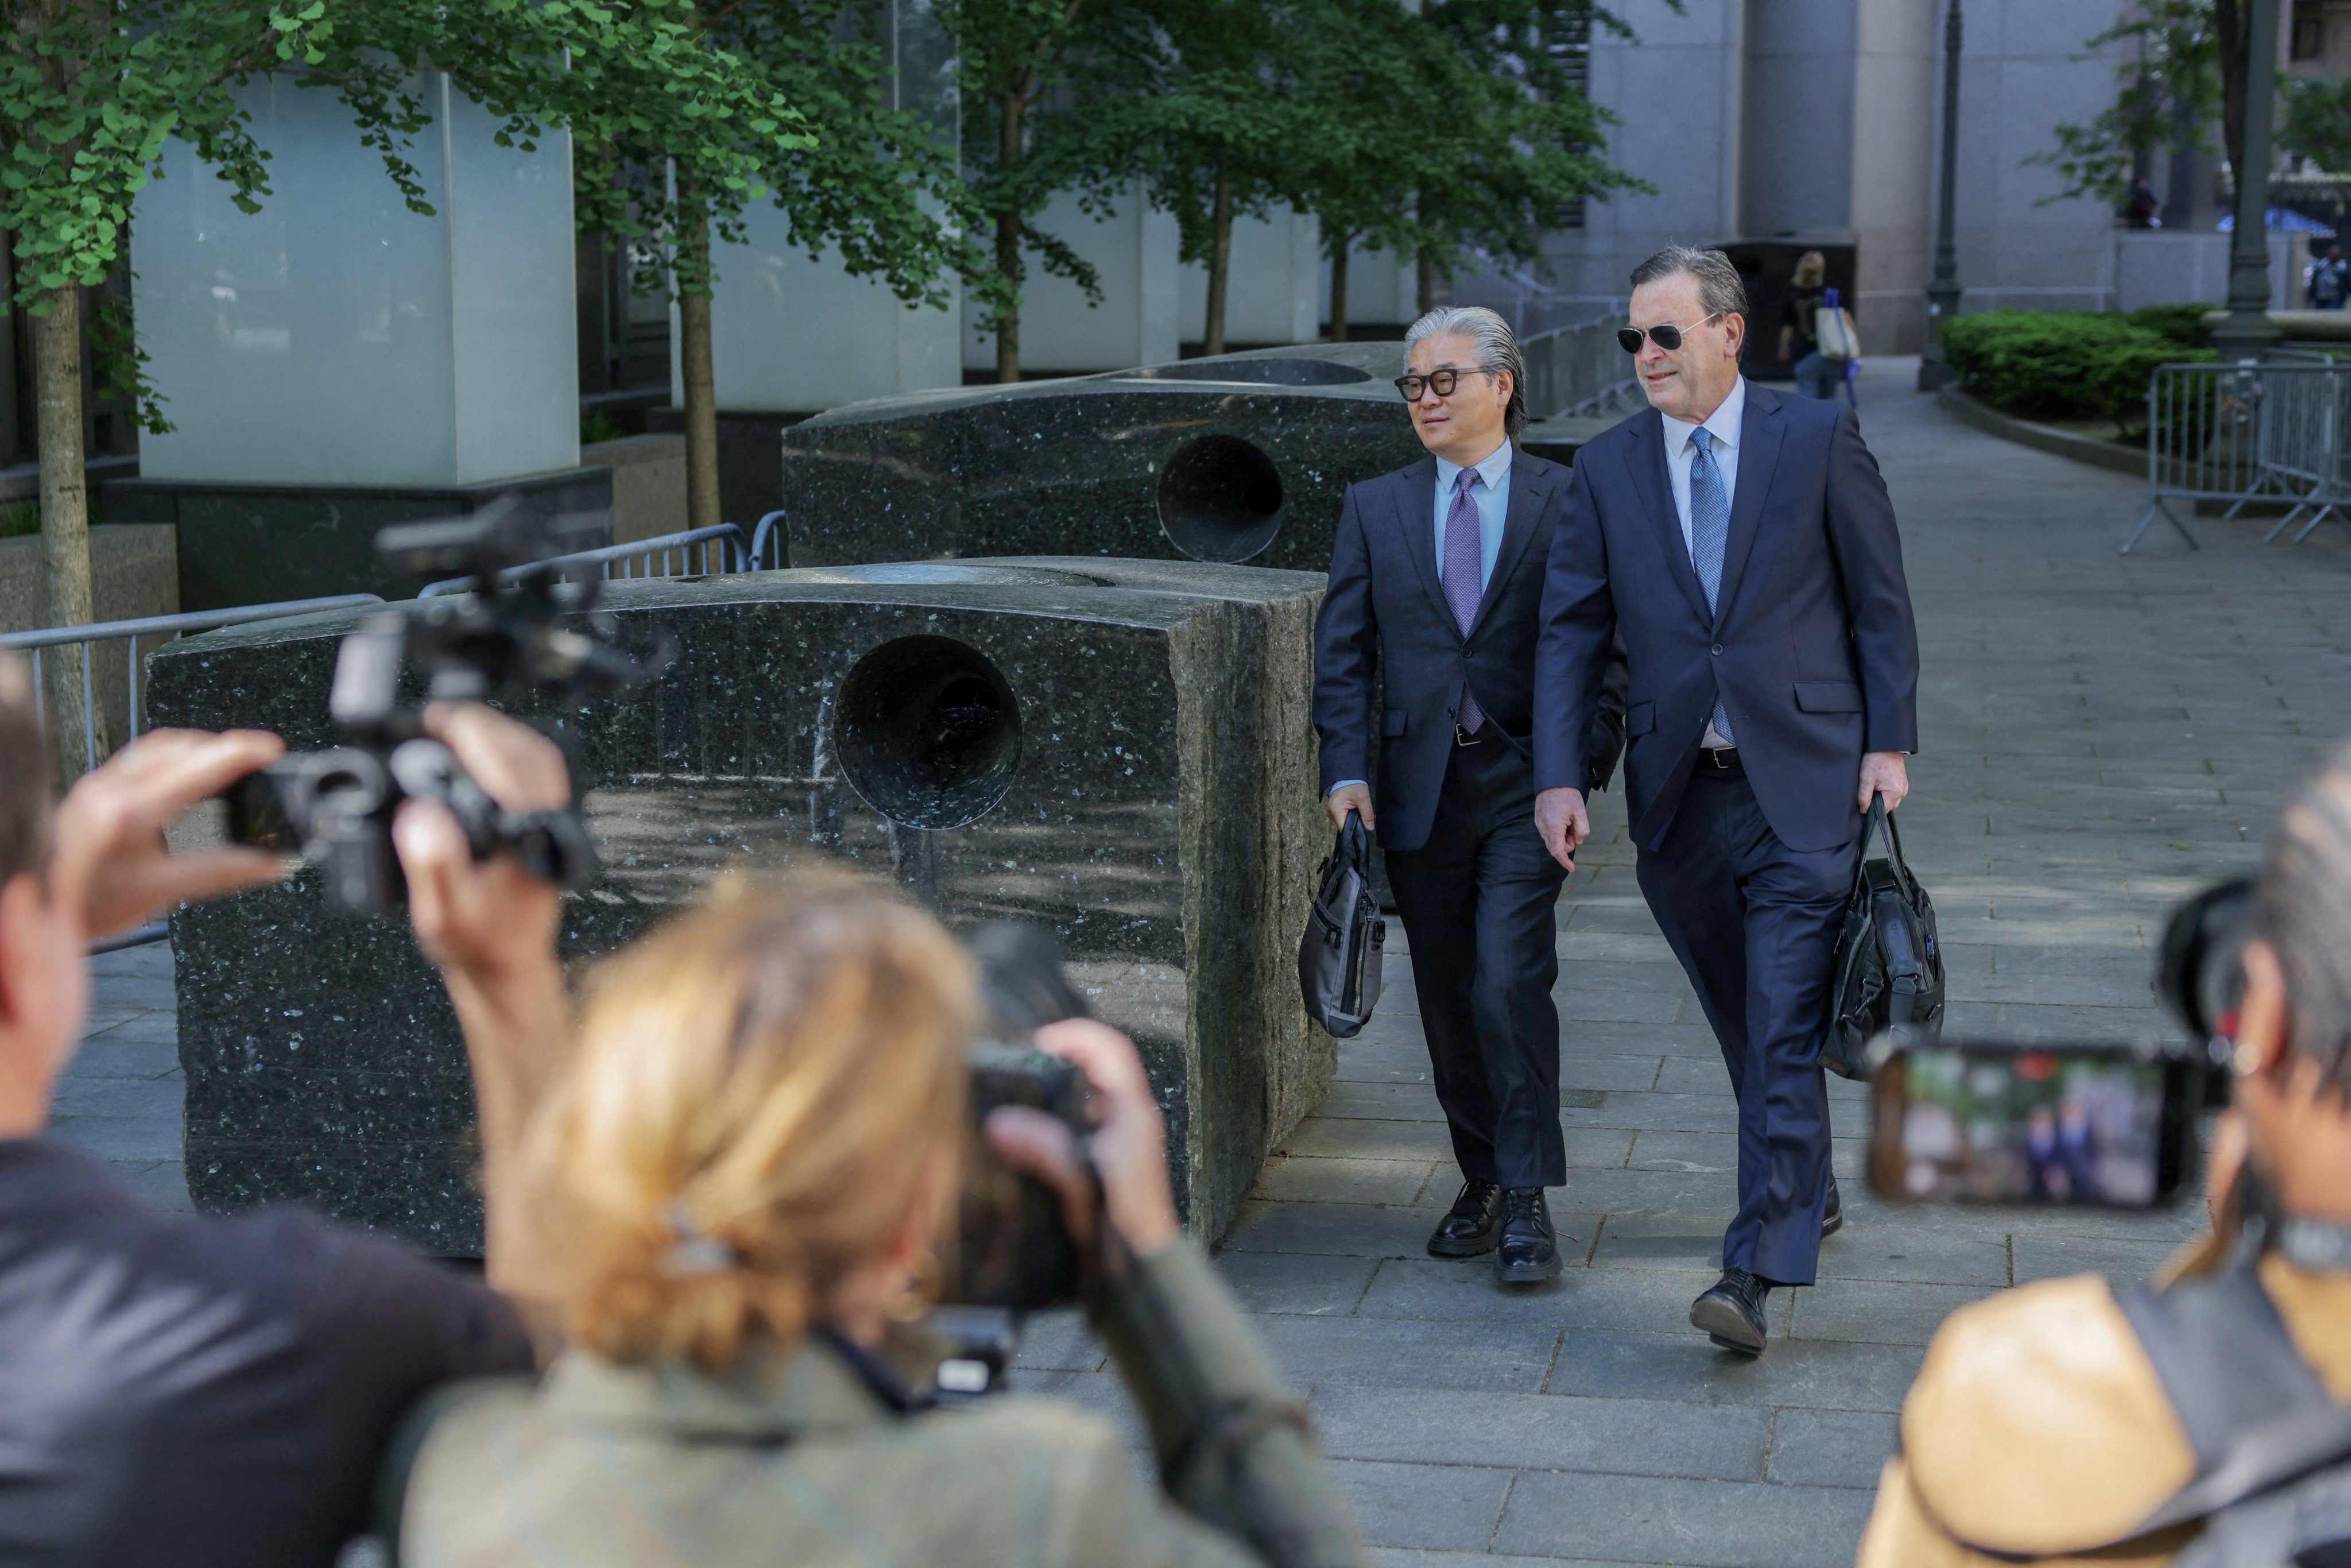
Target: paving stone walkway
2101 734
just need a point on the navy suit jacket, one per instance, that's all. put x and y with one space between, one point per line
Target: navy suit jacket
1812 648
1385 612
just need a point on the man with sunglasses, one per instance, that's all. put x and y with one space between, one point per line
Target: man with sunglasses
1743 546
1436 578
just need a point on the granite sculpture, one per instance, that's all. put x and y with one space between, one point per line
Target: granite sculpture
1244 458
1118 750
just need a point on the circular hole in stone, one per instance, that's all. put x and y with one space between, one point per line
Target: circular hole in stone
928 732
1220 499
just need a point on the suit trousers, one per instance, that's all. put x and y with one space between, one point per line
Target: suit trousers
1755 924
1477 900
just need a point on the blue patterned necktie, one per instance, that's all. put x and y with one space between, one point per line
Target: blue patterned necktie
1710 509
1462 569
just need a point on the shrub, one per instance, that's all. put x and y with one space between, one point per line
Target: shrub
598 425
2055 365
2183 324
18 519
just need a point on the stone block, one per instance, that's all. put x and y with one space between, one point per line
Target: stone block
1243 457
265 543
1129 761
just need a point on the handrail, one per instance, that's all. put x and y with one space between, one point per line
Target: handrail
608 556
773 527
194 621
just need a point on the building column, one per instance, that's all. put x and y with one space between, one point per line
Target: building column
336 361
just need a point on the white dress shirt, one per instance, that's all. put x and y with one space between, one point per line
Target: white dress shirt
1723 426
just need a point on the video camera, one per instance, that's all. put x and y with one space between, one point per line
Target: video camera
2111 1125
505 638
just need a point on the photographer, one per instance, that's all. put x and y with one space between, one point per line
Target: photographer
743 1167
195 1390
2062 1420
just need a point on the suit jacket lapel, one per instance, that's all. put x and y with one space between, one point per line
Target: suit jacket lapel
1416 504
1527 492
1646 456
1760 432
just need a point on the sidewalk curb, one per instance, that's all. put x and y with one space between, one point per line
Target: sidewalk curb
2042 437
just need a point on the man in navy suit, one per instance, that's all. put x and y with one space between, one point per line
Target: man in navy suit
1436 580
1742 545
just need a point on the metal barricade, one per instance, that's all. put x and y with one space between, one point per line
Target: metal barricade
671 555
160 629
2276 431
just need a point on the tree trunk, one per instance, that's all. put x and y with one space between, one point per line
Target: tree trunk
1338 286
1010 133
1220 264
65 526
701 507
1428 283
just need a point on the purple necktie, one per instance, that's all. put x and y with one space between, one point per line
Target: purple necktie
1462 588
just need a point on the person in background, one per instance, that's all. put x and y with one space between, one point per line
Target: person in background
2329 283
2039 1428
192 1390
1816 376
743 1167
2141 207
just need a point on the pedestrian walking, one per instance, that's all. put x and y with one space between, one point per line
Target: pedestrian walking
1742 545
2329 283
1800 340
1436 580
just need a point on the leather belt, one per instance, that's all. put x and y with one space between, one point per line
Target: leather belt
1467 737
1719 762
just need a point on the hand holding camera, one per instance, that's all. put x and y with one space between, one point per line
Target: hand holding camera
1128 1147
112 865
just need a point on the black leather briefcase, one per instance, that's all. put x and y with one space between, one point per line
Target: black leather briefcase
1339 957
1888 972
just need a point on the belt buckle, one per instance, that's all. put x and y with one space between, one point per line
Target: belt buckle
1718 756
1463 737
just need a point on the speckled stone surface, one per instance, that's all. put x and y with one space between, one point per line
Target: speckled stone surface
1244 458
1160 816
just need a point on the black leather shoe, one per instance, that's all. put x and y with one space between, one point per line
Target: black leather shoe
1733 1312
1832 1215
1529 1252
1470 1229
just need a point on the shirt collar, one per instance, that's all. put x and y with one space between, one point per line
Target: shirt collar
1493 470
1723 423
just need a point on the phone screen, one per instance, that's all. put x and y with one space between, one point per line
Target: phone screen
257 817
2112 1126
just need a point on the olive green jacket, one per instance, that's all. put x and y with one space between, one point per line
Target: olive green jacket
796 1460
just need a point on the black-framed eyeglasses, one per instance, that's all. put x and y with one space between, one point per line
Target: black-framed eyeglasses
1664 335
1441 382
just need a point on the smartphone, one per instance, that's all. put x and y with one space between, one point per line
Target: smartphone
2110 1126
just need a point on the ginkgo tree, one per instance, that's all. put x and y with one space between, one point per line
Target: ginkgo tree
90 91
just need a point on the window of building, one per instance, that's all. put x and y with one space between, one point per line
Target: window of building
2309 33
1573 48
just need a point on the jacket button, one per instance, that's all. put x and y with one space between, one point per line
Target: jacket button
1718 647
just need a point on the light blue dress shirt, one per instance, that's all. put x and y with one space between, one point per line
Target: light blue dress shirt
1493 500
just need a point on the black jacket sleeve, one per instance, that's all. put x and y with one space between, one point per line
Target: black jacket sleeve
1346 652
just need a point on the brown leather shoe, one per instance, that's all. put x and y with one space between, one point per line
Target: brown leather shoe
1472 1224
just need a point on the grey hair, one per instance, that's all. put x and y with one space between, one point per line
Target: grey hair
1497 350
1720 288
2302 906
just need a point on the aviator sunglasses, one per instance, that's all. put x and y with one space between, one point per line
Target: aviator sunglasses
1665 336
